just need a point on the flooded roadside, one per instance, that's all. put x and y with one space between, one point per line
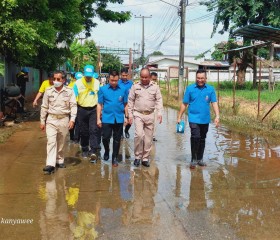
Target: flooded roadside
235 197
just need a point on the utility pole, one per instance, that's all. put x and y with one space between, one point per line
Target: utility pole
98 60
143 37
81 39
182 14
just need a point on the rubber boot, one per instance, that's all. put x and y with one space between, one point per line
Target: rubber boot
200 153
194 149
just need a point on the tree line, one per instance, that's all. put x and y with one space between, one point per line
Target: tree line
39 33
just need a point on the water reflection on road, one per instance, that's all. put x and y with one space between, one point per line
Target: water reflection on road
237 196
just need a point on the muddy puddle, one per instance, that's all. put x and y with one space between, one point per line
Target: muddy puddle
237 196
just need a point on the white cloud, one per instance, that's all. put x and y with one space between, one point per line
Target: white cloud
198 36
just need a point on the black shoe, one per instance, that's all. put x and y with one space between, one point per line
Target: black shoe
127 135
93 158
201 163
49 170
106 156
146 163
60 165
114 162
137 162
154 139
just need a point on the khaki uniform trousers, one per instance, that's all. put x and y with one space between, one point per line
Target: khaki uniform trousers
56 130
144 130
155 126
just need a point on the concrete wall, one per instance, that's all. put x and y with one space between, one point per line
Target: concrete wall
166 63
224 75
34 81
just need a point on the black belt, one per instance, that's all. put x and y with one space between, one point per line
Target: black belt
87 108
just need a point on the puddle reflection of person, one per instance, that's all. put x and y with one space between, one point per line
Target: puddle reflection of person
197 192
141 209
83 225
54 221
125 151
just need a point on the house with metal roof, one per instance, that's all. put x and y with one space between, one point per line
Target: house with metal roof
165 61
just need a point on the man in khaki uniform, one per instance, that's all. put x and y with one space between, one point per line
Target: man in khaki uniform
144 99
59 103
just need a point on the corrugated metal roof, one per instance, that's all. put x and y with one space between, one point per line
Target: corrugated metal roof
156 58
248 47
215 63
259 32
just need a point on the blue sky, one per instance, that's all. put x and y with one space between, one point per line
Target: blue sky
162 30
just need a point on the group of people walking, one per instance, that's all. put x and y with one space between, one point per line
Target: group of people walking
100 112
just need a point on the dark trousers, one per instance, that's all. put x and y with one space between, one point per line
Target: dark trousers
198 136
88 128
99 136
74 132
107 130
76 136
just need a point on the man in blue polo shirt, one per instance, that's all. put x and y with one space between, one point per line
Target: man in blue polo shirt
197 98
127 84
112 101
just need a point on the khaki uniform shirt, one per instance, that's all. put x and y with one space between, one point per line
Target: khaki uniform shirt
59 104
145 98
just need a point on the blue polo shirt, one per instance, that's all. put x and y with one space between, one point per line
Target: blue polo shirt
113 101
127 84
199 99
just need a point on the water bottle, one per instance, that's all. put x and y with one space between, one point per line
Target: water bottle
180 127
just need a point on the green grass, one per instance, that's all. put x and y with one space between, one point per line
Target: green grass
238 119
252 95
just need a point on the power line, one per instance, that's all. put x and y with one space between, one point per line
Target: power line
169 4
165 24
202 18
135 5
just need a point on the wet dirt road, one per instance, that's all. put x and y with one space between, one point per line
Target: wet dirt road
237 196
